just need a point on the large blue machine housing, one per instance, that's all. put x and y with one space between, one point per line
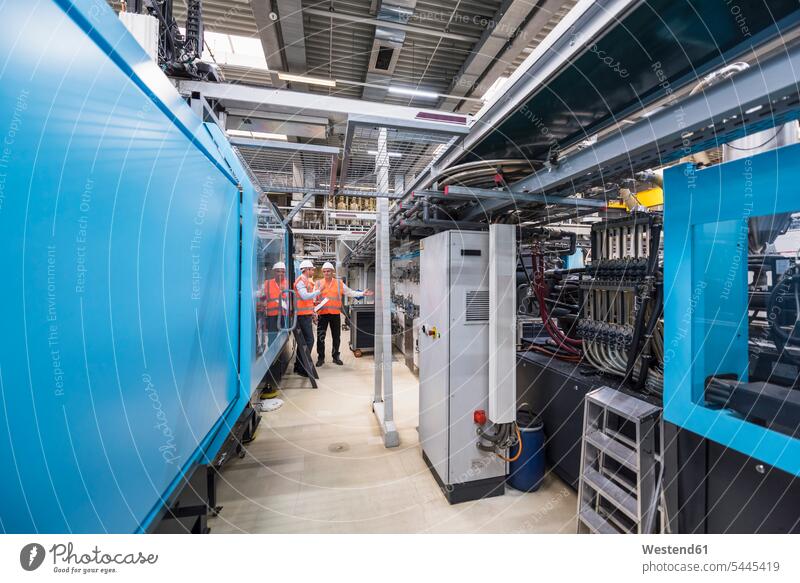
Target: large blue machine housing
706 322
128 230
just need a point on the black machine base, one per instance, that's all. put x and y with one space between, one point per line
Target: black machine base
187 510
555 390
712 489
468 491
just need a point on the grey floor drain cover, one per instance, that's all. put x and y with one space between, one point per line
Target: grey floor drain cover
338 447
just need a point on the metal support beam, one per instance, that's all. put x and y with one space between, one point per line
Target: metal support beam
383 401
451 125
255 99
290 16
283 38
325 191
269 31
297 208
756 99
277 145
510 197
203 109
537 20
388 24
516 24
443 224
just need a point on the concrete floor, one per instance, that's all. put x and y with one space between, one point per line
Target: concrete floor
318 465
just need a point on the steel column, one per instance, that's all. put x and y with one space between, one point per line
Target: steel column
297 208
383 401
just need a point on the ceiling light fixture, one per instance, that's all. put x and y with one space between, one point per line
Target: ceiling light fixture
494 88
413 92
309 80
383 86
258 135
391 154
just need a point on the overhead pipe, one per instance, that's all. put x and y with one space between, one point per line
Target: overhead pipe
444 224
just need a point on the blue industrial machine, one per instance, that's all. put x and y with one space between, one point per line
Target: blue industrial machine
129 228
708 352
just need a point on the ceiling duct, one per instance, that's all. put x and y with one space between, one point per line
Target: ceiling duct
386 47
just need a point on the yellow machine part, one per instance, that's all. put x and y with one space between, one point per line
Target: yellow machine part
648 198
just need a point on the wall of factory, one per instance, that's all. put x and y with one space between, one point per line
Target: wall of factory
119 222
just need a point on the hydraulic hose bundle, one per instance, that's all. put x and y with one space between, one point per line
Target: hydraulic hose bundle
566 347
506 436
621 320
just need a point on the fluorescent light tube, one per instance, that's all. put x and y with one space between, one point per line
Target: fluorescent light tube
309 80
413 92
259 135
391 154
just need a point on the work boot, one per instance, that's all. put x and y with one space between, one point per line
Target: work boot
337 360
320 362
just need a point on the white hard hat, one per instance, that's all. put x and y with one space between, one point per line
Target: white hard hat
306 263
327 265
279 265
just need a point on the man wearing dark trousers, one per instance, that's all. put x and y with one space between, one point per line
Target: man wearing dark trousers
329 306
305 312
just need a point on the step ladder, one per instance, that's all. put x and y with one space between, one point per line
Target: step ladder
619 487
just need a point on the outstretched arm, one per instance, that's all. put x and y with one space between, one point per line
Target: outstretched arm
351 293
304 293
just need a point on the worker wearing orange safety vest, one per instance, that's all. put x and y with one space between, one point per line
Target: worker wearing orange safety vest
304 287
272 310
268 307
329 305
274 304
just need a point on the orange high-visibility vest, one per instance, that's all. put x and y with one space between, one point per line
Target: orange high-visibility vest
304 307
272 297
333 292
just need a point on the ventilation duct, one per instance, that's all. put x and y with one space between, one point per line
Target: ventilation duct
386 47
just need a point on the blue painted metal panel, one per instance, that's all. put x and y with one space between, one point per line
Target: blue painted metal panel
274 239
120 233
705 278
252 367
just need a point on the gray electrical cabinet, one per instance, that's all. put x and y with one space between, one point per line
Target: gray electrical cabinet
454 364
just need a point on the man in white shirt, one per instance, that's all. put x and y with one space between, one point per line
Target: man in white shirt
329 306
305 311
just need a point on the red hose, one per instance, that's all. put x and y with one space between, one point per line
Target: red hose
559 337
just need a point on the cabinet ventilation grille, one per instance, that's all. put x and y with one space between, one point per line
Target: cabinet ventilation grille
478 306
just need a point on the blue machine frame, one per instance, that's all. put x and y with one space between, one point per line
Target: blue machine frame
705 277
127 348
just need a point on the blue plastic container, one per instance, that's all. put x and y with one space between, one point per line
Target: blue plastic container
527 472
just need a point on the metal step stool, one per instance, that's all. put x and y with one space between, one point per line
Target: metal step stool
619 485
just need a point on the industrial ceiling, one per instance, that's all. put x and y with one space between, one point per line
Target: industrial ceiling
452 48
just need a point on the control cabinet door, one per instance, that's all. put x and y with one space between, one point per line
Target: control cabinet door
467 333
433 351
